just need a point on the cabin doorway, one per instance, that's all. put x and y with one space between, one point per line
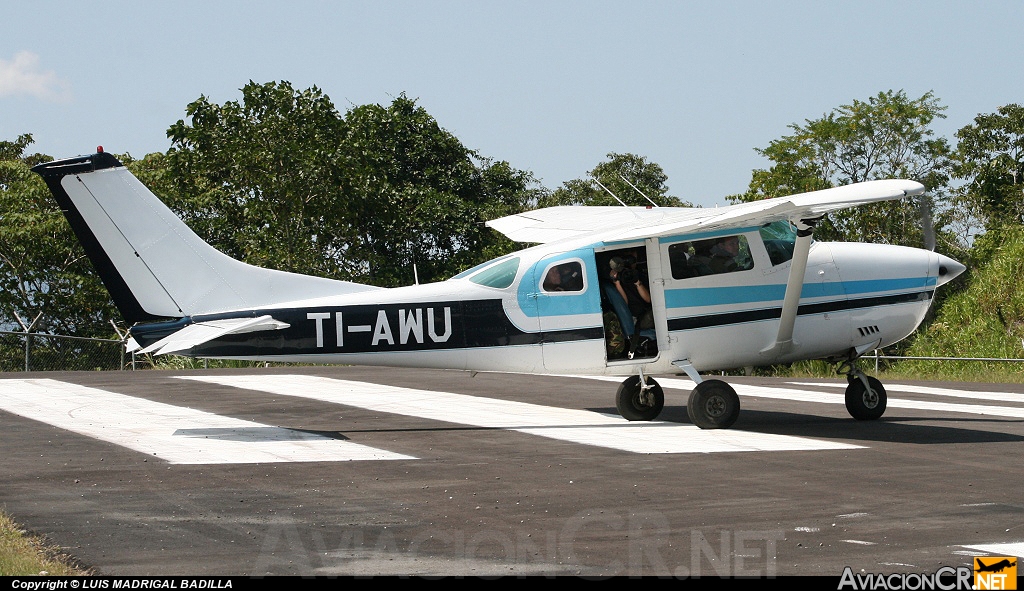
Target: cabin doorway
626 303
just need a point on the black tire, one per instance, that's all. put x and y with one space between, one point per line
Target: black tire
634 407
713 405
865 404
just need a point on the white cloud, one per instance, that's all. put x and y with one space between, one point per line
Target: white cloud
22 76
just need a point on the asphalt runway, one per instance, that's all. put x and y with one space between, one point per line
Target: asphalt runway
368 471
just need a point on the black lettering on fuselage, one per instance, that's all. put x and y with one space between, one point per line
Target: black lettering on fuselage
410 326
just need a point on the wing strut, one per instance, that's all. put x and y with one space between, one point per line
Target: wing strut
794 285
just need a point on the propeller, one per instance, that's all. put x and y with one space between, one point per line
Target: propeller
927 224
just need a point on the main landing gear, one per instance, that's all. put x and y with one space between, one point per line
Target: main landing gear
865 396
713 404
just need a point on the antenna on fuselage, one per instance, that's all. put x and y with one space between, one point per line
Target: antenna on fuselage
639 191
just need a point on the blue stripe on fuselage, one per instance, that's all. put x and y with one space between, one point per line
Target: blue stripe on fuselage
749 294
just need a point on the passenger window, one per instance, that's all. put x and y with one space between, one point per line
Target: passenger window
714 256
779 238
563 277
500 276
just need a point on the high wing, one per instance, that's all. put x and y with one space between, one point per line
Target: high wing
617 223
552 224
204 331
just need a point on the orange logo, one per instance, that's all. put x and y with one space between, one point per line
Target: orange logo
995 572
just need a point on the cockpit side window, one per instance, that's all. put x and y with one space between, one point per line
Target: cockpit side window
499 276
779 238
726 254
563 277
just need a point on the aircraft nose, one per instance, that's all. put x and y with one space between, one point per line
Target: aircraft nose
948 270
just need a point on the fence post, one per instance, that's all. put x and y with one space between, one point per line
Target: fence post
28 340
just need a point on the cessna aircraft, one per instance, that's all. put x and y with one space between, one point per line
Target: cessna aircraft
775 296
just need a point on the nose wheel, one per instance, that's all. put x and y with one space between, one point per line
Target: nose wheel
865 398
640 399
865 395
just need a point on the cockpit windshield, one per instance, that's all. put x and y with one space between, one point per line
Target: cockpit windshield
499 275
779 238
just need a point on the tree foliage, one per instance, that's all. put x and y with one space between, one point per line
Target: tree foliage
44 273
419 196
887 136
990 158
263 179
282 179
625 175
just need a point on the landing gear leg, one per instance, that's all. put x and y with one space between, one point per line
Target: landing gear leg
865 396
640 398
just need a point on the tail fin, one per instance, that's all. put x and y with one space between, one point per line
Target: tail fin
154 266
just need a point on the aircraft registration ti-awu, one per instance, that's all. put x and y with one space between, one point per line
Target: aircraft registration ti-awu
701 290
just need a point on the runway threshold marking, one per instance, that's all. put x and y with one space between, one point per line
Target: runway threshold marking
804 395
176 434
577 426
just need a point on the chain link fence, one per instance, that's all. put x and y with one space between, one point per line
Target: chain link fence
21 351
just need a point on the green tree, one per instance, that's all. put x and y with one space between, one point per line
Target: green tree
990 158
887 136
625 175
263 179
421 197
281 179
44 272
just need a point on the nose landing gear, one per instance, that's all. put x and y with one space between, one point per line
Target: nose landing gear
865 396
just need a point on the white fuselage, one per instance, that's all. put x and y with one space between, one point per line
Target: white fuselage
854 297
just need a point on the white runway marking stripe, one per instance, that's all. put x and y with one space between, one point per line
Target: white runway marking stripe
1013 549
994 396
176 434
975 409
578 426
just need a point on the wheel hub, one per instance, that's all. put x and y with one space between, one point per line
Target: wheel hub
870 398
715 406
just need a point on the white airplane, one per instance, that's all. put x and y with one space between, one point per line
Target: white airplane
775 296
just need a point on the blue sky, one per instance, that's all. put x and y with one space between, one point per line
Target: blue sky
551 87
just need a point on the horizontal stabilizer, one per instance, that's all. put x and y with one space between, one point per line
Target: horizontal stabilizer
202 332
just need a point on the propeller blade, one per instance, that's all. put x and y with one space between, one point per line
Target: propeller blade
927 225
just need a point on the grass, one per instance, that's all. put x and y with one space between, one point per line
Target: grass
917 370
24 554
